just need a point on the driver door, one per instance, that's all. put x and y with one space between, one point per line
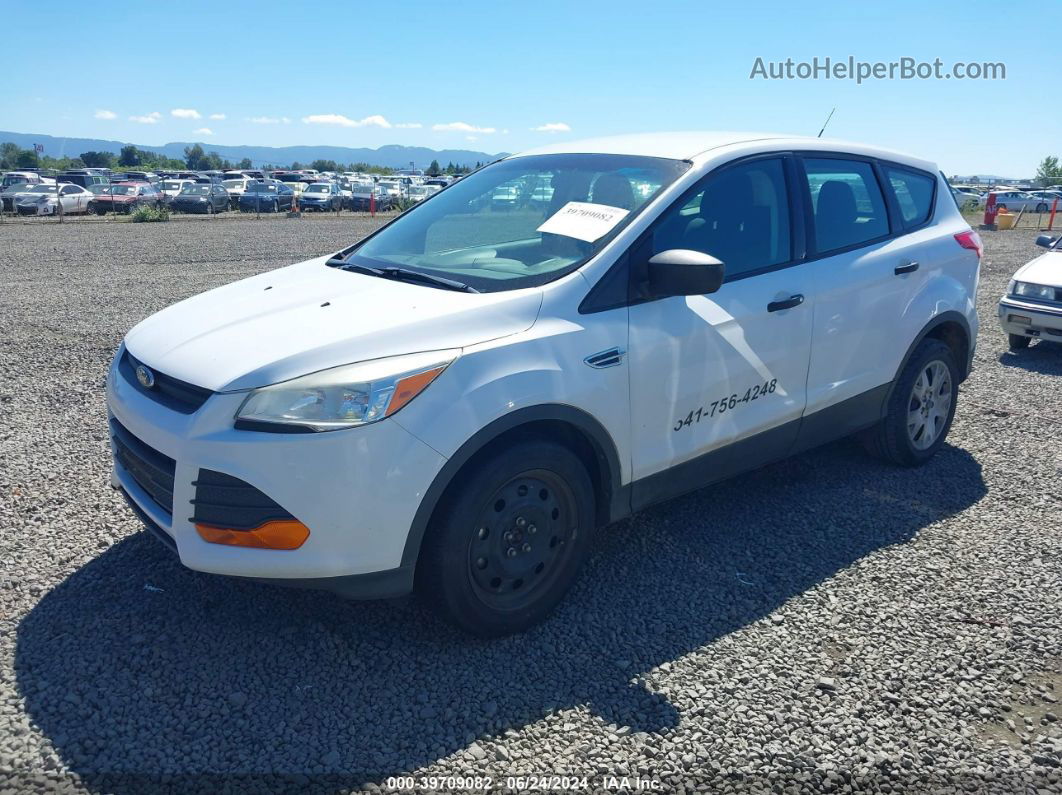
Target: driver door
718 382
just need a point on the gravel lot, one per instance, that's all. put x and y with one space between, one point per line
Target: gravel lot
827 623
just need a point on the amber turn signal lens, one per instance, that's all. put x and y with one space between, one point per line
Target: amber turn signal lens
409 387
275 534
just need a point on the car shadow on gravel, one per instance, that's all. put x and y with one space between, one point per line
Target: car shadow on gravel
142 674
1043 356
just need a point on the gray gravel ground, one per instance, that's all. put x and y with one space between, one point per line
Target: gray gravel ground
829 623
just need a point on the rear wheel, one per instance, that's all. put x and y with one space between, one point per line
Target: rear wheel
506 545
1041 207
920 409
1018 342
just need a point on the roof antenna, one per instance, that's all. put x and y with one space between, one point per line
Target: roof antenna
825 123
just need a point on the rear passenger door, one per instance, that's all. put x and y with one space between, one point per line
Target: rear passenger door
865 271
717 382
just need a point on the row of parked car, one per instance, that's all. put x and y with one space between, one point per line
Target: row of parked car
101 191
1011 199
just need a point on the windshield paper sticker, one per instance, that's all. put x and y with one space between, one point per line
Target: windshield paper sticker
583 220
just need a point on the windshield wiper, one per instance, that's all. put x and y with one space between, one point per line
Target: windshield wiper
402 275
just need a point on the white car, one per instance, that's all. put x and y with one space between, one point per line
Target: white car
1015 200
966 199
1032 306
236 188
458 402
171 187
1047 199
42 199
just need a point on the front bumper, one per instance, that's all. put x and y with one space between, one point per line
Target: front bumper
1039 321
356 490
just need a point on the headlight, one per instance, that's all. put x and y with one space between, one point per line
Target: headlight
343 397
1041 292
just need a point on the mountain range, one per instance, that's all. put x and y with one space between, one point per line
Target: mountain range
392 155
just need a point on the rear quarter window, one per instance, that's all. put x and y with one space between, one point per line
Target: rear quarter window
914 194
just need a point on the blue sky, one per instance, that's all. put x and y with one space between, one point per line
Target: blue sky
505 76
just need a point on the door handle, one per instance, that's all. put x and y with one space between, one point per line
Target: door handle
785 303
907 267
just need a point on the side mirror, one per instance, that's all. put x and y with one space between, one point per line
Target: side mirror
680 271
1045 240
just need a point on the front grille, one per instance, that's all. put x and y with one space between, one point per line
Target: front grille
174 394
151 470
224 501
149 524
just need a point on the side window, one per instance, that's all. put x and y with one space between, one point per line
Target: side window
914 194
739 215
847 202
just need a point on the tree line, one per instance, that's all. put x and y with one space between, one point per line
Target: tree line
14 157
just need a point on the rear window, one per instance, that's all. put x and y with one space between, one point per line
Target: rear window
847 202
914 194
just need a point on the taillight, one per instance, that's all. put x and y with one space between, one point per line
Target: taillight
971 240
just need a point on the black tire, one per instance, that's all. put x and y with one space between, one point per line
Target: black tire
99 209
1001 206
210 208
1041 208
1018 342
891 439
507 541
276 206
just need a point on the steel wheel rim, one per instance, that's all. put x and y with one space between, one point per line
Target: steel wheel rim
523 536
929 405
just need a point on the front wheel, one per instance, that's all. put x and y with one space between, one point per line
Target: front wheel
920 409
506 544
1018 342
276 206
1041 208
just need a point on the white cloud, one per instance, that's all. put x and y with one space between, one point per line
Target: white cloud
460 126
150 118
285 119
106 114
204 131
409 125
471 137
185 113
552 127
264 120
342 121
217 116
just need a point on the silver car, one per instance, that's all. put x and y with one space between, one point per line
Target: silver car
45 199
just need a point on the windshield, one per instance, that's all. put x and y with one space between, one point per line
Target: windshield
260 187
318 188
233 183
195 190
521 222
169 185
120 190
41 189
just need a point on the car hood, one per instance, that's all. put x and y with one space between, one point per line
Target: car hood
308 317
1045 269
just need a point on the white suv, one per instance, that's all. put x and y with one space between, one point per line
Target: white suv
457 402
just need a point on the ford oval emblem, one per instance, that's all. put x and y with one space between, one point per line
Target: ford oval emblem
145 377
